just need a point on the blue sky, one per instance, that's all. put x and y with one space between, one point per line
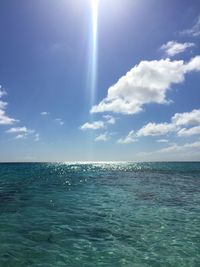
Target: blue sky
123 85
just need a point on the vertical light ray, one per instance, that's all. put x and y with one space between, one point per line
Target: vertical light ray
92 68
94 51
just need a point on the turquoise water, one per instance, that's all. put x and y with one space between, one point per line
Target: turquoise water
117 214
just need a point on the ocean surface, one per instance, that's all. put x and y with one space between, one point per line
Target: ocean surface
99 214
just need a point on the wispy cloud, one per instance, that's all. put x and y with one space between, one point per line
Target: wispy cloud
130 138
18 130
37 137
59 121
4 118
187 151
103 137
2 92
175 147
145 83
162 140
22 132
96 125
194 30
20 136
44 113
109 119
173 48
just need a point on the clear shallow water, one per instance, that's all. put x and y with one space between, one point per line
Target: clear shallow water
125 214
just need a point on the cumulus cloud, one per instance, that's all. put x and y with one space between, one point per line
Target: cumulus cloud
93 125
173 48
103 137
156 129
180 124
187 118
4 118
130 138
195 30
189 132
193 65
145 83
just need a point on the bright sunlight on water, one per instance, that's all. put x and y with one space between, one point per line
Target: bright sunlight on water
101 214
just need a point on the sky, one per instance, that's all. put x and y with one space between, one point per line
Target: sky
99 80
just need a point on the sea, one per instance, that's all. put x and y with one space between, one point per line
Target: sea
100 214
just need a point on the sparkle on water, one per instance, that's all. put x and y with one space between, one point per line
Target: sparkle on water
100 214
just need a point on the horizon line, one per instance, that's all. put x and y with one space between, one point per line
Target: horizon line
104 162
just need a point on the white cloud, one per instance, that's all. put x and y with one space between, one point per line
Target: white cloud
188 151
187 118
20 132
44 113
189 132
93 125
103 137
4 118
178 120
145 83
195 30
60 121
162 141
21 136
193 65
96 125
156 129
173 48
179 148
130 138
3 105
109 119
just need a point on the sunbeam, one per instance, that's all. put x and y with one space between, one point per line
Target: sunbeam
94 50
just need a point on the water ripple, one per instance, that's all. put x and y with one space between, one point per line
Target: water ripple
100 214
